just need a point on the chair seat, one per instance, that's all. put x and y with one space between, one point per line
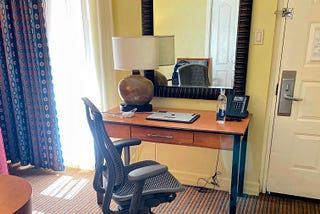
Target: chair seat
163 183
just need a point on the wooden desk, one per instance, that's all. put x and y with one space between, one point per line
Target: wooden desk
204 132
15 195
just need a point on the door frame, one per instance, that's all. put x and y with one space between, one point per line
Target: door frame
272 98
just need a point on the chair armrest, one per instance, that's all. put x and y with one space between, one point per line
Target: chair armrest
126 142
143 173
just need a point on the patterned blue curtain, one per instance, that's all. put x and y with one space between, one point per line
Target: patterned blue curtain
27 108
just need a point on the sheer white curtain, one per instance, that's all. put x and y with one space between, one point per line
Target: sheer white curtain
74 75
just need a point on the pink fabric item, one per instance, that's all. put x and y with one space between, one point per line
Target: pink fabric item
3 160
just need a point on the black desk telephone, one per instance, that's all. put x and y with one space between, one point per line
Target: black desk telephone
237 107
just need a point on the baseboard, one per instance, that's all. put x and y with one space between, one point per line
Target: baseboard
188 178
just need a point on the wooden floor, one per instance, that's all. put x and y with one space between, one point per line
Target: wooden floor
71 192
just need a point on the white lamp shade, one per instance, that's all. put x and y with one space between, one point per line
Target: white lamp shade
135 53
166 50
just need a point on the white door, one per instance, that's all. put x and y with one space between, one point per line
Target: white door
294 166
224 22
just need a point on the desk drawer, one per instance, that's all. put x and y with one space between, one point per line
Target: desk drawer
162 135
117 131
211 140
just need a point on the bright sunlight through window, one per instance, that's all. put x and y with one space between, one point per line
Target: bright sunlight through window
74 76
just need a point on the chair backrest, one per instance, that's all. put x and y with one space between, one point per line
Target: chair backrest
104 148
193 75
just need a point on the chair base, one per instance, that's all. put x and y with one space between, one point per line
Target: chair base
149 202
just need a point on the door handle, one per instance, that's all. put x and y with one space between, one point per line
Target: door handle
286 93
292 98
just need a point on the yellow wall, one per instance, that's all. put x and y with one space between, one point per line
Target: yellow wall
127 17
259 68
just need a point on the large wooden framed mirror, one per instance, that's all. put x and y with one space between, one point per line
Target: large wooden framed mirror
241 56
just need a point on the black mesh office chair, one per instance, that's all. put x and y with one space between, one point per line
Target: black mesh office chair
193 75
137 187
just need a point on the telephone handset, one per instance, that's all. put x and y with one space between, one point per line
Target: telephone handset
237 107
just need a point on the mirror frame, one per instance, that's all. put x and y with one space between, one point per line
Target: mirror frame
243 37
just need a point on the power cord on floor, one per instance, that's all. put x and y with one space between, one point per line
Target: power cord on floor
203 187
211 180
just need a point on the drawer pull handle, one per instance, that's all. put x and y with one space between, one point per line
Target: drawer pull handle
161 136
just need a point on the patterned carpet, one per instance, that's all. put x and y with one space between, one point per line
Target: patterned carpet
71 192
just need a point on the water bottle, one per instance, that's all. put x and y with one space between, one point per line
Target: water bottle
221 107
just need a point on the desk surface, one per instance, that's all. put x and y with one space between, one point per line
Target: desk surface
206 122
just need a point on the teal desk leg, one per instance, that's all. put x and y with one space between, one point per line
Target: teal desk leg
235 174
126 155
242 163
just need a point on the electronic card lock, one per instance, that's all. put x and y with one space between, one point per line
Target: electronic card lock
286 93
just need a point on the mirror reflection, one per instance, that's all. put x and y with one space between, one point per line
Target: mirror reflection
202 29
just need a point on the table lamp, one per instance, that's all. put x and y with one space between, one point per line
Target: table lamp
135 53
166 57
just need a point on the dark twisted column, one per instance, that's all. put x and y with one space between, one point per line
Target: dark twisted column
147 28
